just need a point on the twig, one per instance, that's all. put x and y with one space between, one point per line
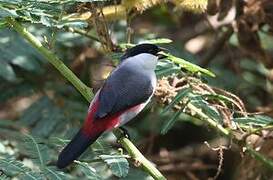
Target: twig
136 154
84 33
86 92
220 156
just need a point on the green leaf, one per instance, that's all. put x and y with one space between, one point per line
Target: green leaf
53 173
158 41
100 146
165 68
3 24
268 162
256 120
117 163
73 24
168 124
49 13
187 65
5 12
11 167
31 176
37 150
210 111
219 97
89 171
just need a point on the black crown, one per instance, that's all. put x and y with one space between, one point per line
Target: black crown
141 48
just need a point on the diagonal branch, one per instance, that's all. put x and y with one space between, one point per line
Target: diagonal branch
145 164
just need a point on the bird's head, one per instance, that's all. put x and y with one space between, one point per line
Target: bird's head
144 49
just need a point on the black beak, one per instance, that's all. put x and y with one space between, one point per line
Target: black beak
162 55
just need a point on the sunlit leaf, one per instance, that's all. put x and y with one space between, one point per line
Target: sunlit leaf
187 65
158 41
256 120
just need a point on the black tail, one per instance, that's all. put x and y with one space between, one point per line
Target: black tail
75 148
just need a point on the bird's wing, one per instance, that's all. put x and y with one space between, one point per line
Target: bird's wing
124 88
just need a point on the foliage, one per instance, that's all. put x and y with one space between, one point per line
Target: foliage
186 94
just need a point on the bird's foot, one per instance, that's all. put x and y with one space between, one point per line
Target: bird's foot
125 132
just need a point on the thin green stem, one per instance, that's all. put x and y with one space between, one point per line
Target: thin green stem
86 92
256 155
210 121
84 33
137 156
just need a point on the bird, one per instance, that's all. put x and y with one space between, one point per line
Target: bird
123 96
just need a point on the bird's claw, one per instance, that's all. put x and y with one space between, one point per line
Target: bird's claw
125 133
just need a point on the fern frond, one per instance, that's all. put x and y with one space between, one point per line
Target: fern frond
53 173
12 167
37 150
88 171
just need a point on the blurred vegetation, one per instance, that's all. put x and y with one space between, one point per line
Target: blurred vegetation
210 118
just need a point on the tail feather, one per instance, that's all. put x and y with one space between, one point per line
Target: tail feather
75 148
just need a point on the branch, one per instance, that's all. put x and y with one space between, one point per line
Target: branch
255 154
86 92
83 33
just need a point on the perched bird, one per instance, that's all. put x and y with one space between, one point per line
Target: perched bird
124 94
